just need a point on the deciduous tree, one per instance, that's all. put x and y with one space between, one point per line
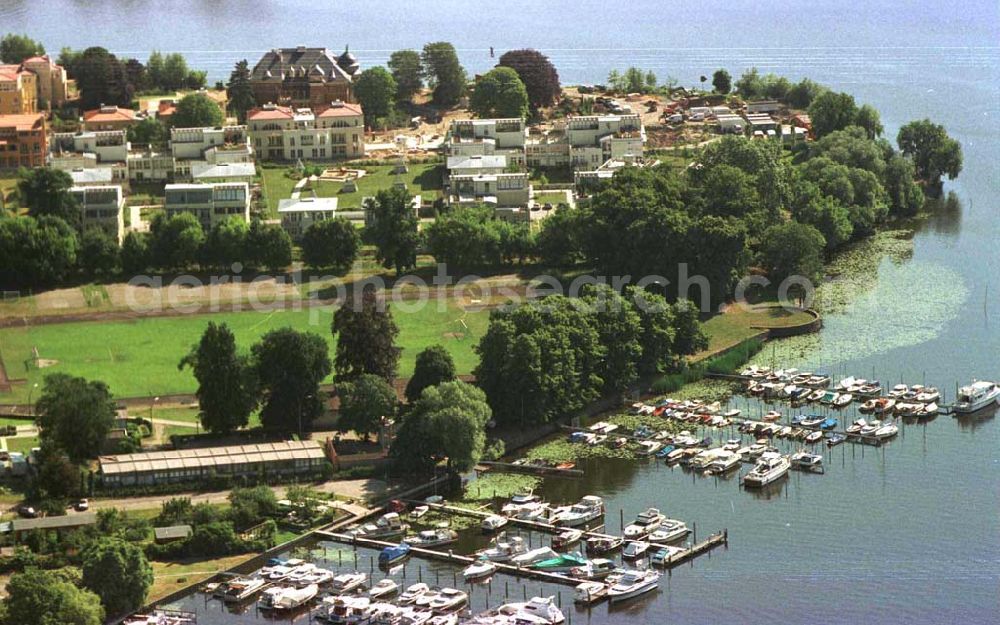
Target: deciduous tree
792 249
393 230
331 243
268 247
499 93
934 153
99 253
375 89
45 191
539 75
50 598
434 366
722 82
832 111
75 414
238 91
196 110
14 48
176 241
290 365
227 386
444 73
406 69
118 573
447 422
363 402
366 338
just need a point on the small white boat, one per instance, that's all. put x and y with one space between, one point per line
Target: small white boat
538 610
419 511
645 523
587 593
842 400
493 523
566 538
769 468
635 549
856 427
384 588
346 609
287 597
806 460
732 444
814 437
413 592
347 582
898 391
976 396
928 395
589 508
241 589
886 430
671 530
648 448
533 556
504 550
433 538
632 584
480 569
449 599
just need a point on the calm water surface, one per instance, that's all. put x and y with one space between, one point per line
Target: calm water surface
907 533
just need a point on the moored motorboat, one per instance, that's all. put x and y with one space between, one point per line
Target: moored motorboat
433 538
384 588
635 549
928 395
604 544
886 430
814 437
587 593
647 521
598 568
834 439
566 538
976 396
806 460
480 569
504 549
413 592
242 589
665 554
493 523
448 600
285 598
769 468
537 610
346 582
632 584
393 555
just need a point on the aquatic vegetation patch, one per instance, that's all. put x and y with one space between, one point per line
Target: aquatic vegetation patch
490 485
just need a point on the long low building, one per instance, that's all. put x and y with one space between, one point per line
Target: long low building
286 458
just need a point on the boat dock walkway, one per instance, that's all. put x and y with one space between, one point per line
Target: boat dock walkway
534 469
539 526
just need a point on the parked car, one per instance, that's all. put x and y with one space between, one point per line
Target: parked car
27 512
82 505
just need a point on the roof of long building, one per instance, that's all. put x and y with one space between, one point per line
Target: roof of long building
316 63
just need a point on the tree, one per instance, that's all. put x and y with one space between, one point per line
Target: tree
176 241
268 247
825 213
832 111
50 598
499 93
657 333
149 131
465 237
722 82
444 73
155 69
45 191
801 94
99 253
363 402
434 366
197 110
905 195
75 414
227 388
175 74
689 338
331 243
934 153
14 48
539 75
226 243
58 477
136 74
448 421
375 89
35 252
619 328
101 79
393 230
117 571
366 338
290 365
248 506
868 118
560 240
406 70
135 253
239 93
792 249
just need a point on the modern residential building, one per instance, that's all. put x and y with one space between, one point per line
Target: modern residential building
496 190
18 90
109 118
54 86
203 172
102 206
285 134
303 77
479 164
210 203
107 146
226 144
761 122
281 459
763 106
297 214
594 139
487 137
23 141
91 176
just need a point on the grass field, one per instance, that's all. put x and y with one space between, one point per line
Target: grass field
139 358
421 179
171 576
23 444
739 324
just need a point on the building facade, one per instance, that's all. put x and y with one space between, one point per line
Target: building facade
487 137
297 214
281 133
109 118
54 86
210 203
107 146
23 141
103 207
303 77
18 90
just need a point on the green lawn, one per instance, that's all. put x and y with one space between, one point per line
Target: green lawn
23 444
139 357
8 186
555 198
421 179
737 325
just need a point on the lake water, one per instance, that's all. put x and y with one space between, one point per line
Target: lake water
906 533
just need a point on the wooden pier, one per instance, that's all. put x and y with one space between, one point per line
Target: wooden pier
533 469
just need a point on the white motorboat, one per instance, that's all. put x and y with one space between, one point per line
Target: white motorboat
632 584
566 538
504 550
846 383
814 437
387 526
586 593
493 523
976 396
540 610
384 588
647 522
898 391
346 609
856 427
532 512
588 509
886 430
806 460
413 592
424 600
448 600
518 501
842 400
535 555
635 549
664 554
770 467
648 448
433 538
598 568
419 511
287 597
444 619
300 573
347 582
732 444
670 531
928 395
241 589
480 569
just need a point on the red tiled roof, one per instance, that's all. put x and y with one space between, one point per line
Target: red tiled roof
118 115
27 121
342 110
277 112
9 72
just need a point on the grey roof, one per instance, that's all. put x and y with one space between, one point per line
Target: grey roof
174 459
171 532
55 522
91 175
201 171
307 204
315 62
477 162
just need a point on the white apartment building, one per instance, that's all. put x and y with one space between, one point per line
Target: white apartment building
284 134
496 190
297 214
487 137
210 203
107 146
594 139
102 206
477 164
227 144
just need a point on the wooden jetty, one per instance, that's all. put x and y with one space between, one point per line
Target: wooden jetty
695 550
533 469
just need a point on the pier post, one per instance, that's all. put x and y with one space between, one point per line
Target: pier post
621 519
